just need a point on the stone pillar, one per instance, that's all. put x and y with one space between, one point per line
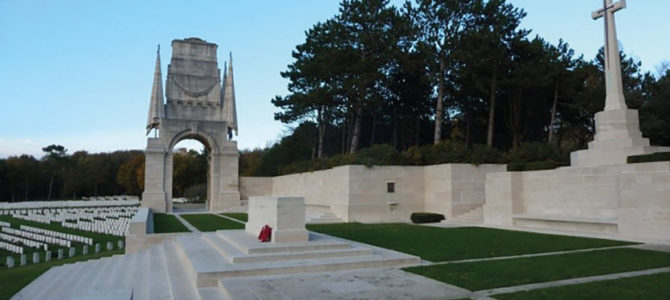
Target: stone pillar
120 244
286 216
84 250
10 262
97 248
60 253
225 192
24 260
36 257
110 246
72 252
154 196
47 256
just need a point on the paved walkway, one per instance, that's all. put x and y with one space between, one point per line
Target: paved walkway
187 224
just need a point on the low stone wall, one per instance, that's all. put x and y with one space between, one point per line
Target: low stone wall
455 189
632 200
360 193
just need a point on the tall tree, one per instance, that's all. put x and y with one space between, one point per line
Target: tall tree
442 23
488 50
55 159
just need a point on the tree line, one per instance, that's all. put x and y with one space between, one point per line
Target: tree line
460 71
59 175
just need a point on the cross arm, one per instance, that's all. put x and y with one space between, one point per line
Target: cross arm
614 7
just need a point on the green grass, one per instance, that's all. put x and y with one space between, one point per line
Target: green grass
448 244
239 216
648 287
164 223
510 272
210 222
102 239
13 280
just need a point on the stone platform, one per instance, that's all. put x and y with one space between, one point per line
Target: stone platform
199 265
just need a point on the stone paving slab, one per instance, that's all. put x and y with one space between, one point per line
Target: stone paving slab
360 284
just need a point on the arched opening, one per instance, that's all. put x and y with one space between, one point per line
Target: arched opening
190 163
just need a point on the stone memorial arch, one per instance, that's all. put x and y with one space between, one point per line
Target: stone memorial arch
201 106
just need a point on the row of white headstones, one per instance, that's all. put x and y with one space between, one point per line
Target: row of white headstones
106 220
111 220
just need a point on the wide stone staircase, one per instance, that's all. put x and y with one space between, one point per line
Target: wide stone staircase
195 266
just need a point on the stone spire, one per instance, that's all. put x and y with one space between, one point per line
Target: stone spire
156 105
229 110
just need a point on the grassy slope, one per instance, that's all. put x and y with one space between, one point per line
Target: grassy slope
210 222
164 223
649 287
518 271
447 244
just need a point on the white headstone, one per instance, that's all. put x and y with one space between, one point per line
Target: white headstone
36 257
10 262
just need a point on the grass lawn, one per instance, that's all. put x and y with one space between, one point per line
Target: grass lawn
510 272
164 223
210 222
239 216
447 244
13 280
98 238
641 287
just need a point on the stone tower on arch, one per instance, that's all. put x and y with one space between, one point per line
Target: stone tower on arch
199 105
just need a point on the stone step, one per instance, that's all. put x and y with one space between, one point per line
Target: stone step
235 255
209 264
213 293
140 279
210 277
159 283
182 283
55 288
250 245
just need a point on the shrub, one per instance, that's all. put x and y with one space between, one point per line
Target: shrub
527 152
658 156
426 217
482 154
378 155
196 193
535 165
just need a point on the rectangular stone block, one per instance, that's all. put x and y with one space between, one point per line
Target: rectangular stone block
286 216
60 253
36 257
84 250
24 260
47 256
110 246
71 252
10 262
97 248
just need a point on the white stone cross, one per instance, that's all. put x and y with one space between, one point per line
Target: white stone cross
614 90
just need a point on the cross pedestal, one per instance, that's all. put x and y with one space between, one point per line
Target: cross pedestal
286 216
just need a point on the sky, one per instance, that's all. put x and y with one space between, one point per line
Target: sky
79 73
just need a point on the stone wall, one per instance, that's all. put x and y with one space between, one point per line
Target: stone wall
360 193
323 190
371 201
630 200
455 189
255 186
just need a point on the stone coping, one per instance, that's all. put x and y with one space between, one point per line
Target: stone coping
557 218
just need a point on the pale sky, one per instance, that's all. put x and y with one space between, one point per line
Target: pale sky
79 73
